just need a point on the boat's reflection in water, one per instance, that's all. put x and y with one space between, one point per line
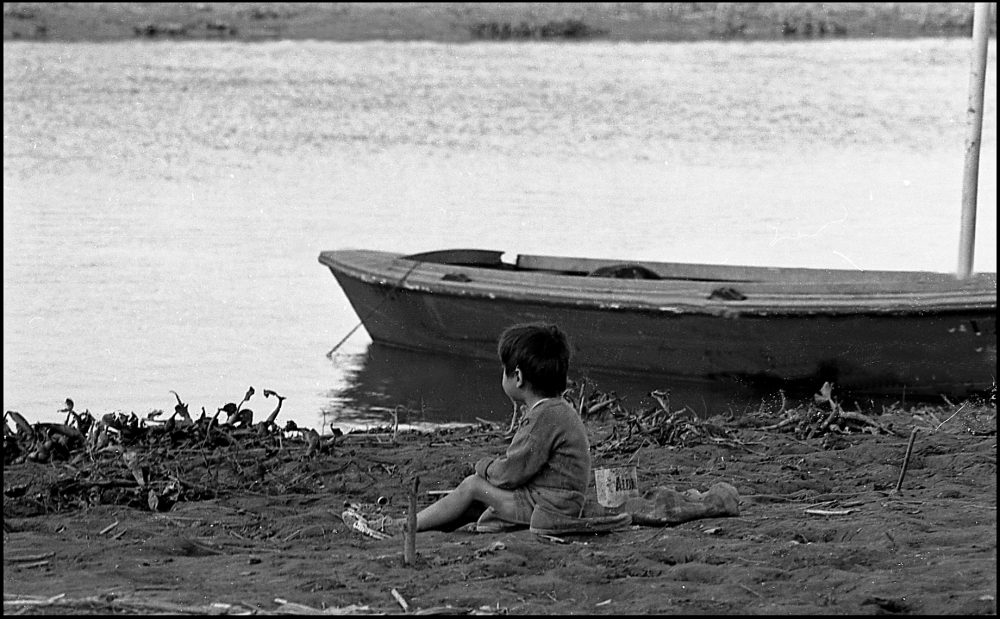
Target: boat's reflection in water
430 389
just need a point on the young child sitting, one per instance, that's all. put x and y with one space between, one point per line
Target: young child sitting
541 482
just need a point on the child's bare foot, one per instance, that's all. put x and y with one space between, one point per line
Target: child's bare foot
489 522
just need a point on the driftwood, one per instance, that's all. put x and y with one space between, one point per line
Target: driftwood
658 426
663 425
809 422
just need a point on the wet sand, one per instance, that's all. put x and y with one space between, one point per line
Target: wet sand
257 528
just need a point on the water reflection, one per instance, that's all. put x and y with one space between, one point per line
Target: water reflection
430 389
424 388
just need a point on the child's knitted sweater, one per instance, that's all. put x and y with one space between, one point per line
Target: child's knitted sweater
549 456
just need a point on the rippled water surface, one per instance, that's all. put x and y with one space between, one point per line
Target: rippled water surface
165 204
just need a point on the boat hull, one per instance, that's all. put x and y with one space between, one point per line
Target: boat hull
883 349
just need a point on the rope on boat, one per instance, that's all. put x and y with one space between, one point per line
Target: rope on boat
395 287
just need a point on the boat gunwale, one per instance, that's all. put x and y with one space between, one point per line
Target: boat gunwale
389 270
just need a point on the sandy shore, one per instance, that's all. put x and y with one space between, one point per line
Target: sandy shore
462 22
256 529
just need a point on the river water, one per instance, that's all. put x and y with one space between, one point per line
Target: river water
165 203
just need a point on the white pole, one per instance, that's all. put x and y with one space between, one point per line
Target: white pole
970 180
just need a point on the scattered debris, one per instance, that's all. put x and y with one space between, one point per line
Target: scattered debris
29 558
402 602
828 512
108 528
293 608
358 522
657 426
807 422
906 461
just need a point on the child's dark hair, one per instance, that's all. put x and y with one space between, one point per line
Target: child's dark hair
542 352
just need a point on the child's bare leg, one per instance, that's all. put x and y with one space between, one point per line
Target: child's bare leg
472 489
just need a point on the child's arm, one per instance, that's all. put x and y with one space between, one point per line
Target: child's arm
527 454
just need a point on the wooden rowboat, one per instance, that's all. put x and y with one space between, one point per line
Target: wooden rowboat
877 332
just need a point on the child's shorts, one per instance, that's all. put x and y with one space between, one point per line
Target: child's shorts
566 502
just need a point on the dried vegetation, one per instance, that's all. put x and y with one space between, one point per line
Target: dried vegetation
152 463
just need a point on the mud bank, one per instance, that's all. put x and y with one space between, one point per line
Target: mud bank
463 22
252 523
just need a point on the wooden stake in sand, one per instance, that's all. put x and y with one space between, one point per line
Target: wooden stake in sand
410 550
906 460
